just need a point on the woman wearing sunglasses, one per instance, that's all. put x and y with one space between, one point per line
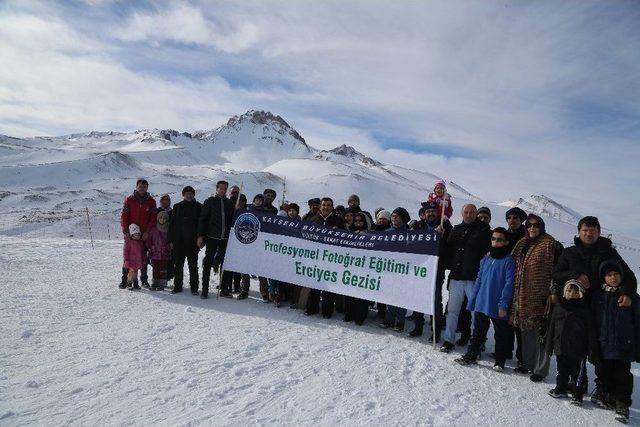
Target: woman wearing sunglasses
535 256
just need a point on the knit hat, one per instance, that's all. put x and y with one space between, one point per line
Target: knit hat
429 205
518 212
134 229
294 206
165 196
404 215
573 283
163 227
484 210
353 210
269 190
353 197
440 183
188 189
258 196
608 266
315 201
383 214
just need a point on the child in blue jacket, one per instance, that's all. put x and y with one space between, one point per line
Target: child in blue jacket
490 301
619 338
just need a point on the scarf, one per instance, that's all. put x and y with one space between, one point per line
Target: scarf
499 253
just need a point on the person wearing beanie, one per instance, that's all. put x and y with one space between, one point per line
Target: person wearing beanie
490 302
535 257
618 329
183 236
395 315
356 309
484 215
353 202
441 198
134 255
165 204
581 262
314 207
515 218
383 220
269 197
572 336
160 251
339 211
430 218
348 216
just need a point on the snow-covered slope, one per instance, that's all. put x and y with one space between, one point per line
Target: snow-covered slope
48 182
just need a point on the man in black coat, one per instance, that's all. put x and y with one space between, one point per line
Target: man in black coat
515 218
328 218
269 197
467 244
183 236
314 208
582 262
213 230
430 218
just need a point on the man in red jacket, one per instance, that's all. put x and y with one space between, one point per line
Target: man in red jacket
139 208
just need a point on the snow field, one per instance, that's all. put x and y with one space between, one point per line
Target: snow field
78 350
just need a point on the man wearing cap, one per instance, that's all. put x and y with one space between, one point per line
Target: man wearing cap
269 197
314 208
430 218
354 205
484 215
515 225
183 236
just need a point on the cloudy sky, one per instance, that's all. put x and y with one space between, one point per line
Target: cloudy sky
506 98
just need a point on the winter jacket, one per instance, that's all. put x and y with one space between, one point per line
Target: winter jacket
140 210
158 244
270 209
580 259
534 268
494 286
134 253
618 327
571 331
216 218
332 221
442 201
515 236
183 225
466 246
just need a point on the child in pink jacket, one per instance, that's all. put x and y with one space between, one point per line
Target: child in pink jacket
159 250
134 256
440 198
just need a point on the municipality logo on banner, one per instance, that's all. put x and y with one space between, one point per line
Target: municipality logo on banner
246 228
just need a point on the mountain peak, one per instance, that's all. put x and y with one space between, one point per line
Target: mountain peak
351 153
543 205
259 117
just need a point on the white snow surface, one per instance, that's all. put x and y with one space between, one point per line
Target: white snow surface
77 350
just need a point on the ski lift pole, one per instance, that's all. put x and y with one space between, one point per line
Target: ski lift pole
89 223
284 190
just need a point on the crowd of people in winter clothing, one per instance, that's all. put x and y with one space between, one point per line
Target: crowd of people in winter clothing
579 303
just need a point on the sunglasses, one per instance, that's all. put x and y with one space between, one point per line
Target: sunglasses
533 224
497 239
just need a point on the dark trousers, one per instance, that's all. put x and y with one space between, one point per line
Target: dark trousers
503 336
616 378
355 309
313 302
518 345
236 279
464 320
191 256
568 371
438 315
220 247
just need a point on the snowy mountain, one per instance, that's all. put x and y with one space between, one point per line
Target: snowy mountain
542 205
49 182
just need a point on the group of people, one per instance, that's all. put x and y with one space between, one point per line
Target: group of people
578 302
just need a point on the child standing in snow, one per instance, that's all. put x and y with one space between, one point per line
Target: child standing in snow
441 199
160 250
134 256
619 337
572 337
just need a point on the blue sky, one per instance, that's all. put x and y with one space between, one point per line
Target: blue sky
506 98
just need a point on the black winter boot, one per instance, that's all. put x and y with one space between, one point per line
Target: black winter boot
416 332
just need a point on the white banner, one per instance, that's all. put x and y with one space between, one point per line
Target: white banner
394 267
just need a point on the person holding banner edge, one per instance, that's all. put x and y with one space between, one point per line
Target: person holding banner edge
214 225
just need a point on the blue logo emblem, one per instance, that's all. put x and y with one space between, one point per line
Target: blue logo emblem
247 227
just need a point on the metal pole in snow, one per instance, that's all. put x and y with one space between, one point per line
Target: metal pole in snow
89 223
